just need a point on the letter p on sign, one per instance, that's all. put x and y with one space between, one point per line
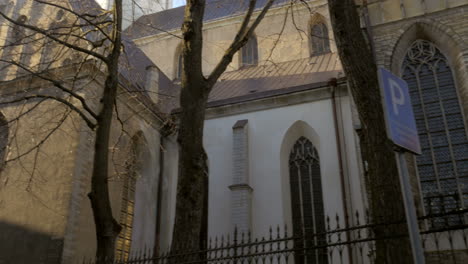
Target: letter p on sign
399 116
398 97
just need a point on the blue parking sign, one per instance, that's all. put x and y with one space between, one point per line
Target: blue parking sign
399 116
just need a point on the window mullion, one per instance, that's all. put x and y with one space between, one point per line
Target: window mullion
447 134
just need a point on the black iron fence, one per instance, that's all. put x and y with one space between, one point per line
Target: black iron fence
443 240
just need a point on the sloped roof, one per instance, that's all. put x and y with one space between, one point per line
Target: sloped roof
172 19
133 62
252 80
257 82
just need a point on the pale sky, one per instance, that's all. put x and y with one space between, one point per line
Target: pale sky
177 3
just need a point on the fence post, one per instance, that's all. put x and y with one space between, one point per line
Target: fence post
235 245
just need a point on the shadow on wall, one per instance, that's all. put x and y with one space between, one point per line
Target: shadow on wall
21 245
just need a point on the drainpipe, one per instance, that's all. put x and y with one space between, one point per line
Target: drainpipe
333 85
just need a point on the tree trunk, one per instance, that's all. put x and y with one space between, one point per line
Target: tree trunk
191 187
382 183
190 227
107 228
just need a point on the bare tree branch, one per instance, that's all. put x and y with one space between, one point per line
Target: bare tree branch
49 35
84 17
90 124
59 86
240 39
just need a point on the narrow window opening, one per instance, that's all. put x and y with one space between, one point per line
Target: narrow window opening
180 66
250 52
319 39
308 216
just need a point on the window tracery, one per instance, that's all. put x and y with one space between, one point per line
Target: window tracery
308 216
443 165
127 207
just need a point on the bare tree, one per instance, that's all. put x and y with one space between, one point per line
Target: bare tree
192 182
89 35
382 180
95 36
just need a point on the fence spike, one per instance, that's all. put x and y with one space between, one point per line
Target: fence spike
278 232
136 255
235 235
337 219
367 216
271 233
168 250
144 251
256 246
263 245
154 252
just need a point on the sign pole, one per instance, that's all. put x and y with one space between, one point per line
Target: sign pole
411 218
402 130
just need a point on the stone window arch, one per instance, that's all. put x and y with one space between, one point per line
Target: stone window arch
308 216
249 54
319 39
443 165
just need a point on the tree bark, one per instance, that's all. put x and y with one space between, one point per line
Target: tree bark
190 227
383 186
192 158
107 228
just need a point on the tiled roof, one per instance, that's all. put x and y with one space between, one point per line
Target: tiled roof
252 83
172 19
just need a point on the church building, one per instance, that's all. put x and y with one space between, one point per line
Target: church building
281 129
282 141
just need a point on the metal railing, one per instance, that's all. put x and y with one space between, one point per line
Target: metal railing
443 243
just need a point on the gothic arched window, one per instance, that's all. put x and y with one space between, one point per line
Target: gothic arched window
250 52
320 43
443 165
308 216
127 208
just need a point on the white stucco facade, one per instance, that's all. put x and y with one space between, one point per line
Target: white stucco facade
272 131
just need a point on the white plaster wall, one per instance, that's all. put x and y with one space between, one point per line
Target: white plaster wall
146 193
169 190
267 130
268 173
